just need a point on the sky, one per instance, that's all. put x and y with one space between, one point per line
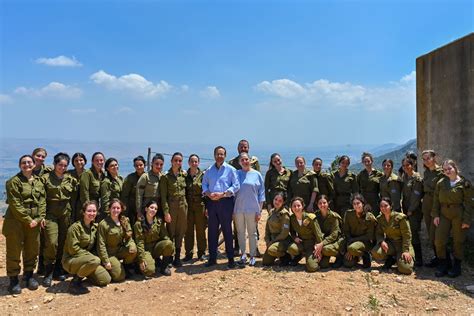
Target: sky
278 73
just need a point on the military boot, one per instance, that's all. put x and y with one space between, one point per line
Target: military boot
76 287
177 260
456 270
433 262
284 261
389 262
14 288
442 268
366 260
48 275
30 281
59 273
164 268
338 263
294 261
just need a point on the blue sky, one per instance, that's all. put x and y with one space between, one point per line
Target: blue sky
283 73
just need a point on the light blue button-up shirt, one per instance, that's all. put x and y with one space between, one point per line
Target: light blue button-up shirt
223 179
251 193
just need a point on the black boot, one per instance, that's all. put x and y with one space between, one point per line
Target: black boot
456 270
129 269
40 270
418 255
442 268
366 260
389 262
177 260
188 257
30 281
285 260
76 287
164 269
48 275
59 274
338 263
14 288
295 260
433 262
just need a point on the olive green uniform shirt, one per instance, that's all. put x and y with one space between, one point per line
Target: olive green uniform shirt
330 226
397 230
369 186
253 163
26 199
110 188
308 230
391 187
359 228
302 186
412 192
460 196
90 185
344 187
194 188
129 192
75 198
276 182
111 237
80 240
146 240
325 185
148 189
172 187
277 227
59 193
43 170
430 178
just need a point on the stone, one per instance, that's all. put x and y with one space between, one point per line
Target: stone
374 272
348 308
470 288
47 299
432 309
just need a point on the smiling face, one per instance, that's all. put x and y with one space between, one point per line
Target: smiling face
358 206
151 210
177 162
157 166
276 161
90 213
139 166
243 147
344 164
61 167
428 160
244 161
115 209
113 168
219 156
387 168
193 162
98 162
367 161
385 207
297 208
407 167
300 164
278 201
79 163
27 165
323 205
40 157
450 171
317 165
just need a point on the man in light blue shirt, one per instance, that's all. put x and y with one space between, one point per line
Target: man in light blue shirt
219 185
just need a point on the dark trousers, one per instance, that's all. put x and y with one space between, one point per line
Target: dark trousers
220 214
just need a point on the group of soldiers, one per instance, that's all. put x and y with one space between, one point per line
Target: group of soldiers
93 223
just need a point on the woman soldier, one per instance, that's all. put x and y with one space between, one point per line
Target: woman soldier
23 218
368 181
276 179
91 179
303 183
79 162
115 243
277 232
412 192
325 184
359 230
391 185
78 258
196 211
345 185
148 184
39 156
393 239
452 211
111 187
60 187
432 174
306 234
129 188
153 242
173 202
330 224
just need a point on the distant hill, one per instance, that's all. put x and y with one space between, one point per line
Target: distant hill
396 155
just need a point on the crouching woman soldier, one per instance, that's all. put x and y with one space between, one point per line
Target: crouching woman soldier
152 241
306 234
78 258
26 201
277 232
393 236
115 243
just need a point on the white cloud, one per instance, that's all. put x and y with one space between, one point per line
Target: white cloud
83 111
184 88
323 93
5 99
52 90
125 109
132 83
60 61
210 92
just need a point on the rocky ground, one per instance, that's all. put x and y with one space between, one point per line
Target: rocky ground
194 289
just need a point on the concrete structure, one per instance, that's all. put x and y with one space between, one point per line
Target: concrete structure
445 103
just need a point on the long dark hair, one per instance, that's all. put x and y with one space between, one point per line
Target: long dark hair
145 225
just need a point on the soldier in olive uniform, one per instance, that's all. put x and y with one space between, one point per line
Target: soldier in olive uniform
359 231
431 175
391 185
78 256
244 147
59 187
129 189
452 211
152 242
196 211
277 232
111 186
368 181
345 185
115 243
91 180
23 218
173 202
303 183
393 239
330 224
148 184
325 184
276 179
412 194
306 234
79 161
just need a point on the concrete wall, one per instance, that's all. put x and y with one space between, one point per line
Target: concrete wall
445 103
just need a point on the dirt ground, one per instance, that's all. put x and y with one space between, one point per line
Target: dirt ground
195 289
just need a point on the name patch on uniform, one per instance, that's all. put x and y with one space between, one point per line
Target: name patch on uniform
286 226
394 191
416 192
